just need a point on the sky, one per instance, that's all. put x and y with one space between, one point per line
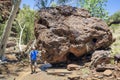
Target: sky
112 5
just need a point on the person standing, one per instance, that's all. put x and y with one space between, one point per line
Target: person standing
33 59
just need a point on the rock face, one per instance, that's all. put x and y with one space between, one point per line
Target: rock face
11 48
5 8
64 31
100 57
117 58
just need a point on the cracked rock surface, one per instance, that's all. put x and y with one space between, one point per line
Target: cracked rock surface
65 30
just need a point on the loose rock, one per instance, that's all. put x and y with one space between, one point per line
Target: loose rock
107 73
118 78
71 67
73 77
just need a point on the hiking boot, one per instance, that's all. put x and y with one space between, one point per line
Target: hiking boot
35 72
31 72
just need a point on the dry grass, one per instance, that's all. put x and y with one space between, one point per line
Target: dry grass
116 34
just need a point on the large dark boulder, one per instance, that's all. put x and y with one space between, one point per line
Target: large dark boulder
65 30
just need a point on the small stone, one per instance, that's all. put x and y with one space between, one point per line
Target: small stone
85 76
73 77
58 71
107 73
71 67
94 73
95 79
96 76
100 68
61 74
100 77
86 65
2 76
89 79
118 78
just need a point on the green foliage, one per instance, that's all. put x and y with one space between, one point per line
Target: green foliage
85 71
63 1
95 7
49 3
114 19
53 4
116 16
42 3
116 45
26 17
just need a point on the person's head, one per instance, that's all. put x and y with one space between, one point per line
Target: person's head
33 48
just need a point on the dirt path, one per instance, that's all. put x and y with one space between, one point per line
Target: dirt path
40 75
20 72
24 73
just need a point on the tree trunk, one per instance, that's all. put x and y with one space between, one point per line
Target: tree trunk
21 32
8 26
21 38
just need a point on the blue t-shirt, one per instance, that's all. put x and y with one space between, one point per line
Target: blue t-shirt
33 54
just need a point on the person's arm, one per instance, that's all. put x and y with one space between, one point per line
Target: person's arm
37 52
29 57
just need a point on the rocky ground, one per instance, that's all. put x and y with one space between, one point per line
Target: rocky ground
65 33
19 71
